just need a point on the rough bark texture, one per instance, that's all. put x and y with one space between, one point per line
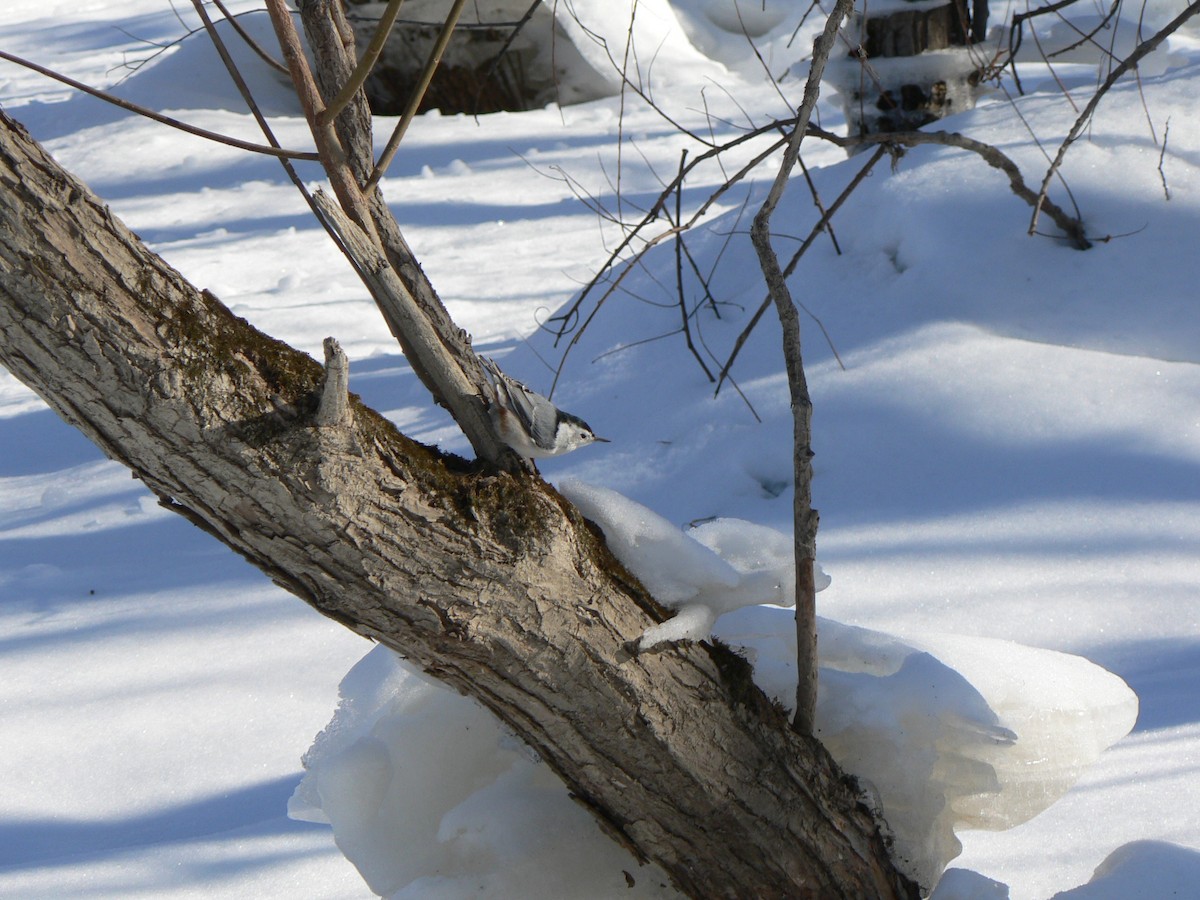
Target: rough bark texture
504 56
488 581
898 88
907 32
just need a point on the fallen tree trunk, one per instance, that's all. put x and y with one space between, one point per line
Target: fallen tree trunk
487 580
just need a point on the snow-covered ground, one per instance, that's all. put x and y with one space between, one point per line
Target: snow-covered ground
1011 452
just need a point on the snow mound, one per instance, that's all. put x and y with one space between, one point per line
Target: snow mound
1141 866
429 798
644 37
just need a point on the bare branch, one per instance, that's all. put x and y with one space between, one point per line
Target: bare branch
248 39
994 157
683 310
332 153
789 320
159 117
1130 62
418 94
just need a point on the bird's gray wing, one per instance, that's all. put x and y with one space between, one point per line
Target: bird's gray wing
537 414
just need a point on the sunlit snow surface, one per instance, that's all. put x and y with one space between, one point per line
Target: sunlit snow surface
1012 452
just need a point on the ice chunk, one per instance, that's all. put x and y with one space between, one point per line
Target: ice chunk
721 566
945 731
672 566
430 798
1065 709
693 622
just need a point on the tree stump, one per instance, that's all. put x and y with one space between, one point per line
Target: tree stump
497 59
909 64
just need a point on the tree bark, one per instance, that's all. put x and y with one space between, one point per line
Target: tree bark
900 86
485 579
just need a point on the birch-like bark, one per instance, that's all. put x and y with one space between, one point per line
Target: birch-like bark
489 582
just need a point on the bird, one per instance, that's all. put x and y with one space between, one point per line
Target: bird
531 424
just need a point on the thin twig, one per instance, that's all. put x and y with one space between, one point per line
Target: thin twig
789 319
1016 34
704 283
1162 156
1130 62
159 117
250 42
1140 84
816 196
656 209
1037 142
815 4
268 133
715 259
1062 88
234 72
762 63
791 267
625 82
516 30
417 95
641 92
683 311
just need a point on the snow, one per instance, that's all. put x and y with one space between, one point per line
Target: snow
402 748
1010 457
607 32
725 564
1129 870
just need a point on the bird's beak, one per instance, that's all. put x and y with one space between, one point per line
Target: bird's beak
602 440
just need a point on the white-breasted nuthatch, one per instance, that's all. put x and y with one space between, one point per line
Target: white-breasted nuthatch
531 424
